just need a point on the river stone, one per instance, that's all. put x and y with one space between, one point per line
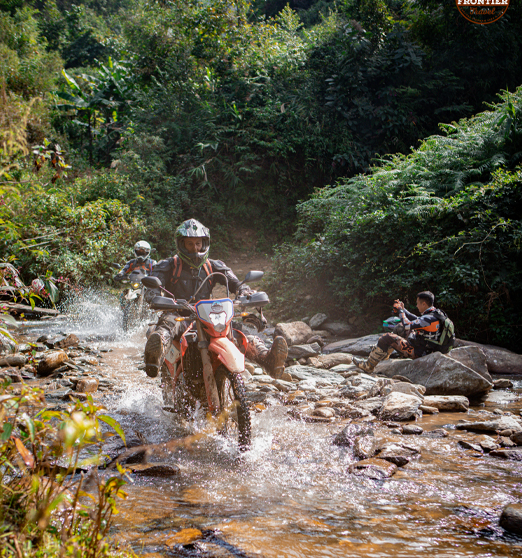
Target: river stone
399 407
435 433
264 379
511 518
331 360
154 469
317 321
13 360
517 438
405 387
303 351
440 374
337 329
464 444
398 454
365 447
428 410
495 425
325 412
63 341
351 432
412 430
451 403
299 372
498 359
502 383
372 404
282 385
513 454
87 385
472 357
487 443
374 468
295 333
360 346
357 385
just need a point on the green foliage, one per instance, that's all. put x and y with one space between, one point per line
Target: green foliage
444 218
45 506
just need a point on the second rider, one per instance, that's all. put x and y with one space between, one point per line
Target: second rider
182 275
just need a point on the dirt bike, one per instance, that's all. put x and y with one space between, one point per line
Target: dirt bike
204 368
132 300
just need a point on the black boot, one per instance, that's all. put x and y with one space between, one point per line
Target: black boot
274 359
154 353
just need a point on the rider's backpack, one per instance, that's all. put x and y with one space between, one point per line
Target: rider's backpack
178 267
446 339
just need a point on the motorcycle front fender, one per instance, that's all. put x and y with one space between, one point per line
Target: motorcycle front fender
227 353
131 294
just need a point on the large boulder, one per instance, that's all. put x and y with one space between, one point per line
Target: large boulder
499 360
511 518
440 374
310 373
400 406
360 346
295 333
472 357
338 329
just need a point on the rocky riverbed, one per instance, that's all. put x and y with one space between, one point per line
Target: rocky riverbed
336 453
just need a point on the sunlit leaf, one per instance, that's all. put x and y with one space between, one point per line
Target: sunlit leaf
114 424
27 456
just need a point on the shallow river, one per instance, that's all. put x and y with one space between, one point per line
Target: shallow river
292 495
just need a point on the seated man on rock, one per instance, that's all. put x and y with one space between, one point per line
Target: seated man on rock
430 332
183 275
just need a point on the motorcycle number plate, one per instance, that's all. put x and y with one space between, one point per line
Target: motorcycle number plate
172 354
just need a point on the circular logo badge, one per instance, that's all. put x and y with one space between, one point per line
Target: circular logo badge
482 11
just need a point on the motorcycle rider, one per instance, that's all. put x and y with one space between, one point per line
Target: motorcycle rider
182 275
424 334
142 261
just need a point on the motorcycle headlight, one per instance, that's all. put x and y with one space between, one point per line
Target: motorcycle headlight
135 285
219 321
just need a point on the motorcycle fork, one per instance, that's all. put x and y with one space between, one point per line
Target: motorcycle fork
208 371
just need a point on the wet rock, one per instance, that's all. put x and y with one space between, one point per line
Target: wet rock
269 389
13 360
337 329
517 438
398 454
499 360
358 385
506 442
88 359
351 432
360 346
316 339
412 430
436 433
331 360
428 410
399 407
344 368
496 397
50 362
317 321
502 383
487 443
441 374
511 518
246 374
365 447
62 341
281 385
264 379
513 454
374 468
470 446
372 404
62 393
303 351
256 396
448 403
154 470
295 333
495 425
325 412
87 385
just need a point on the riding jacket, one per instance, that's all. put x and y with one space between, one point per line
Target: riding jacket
183 280
425 328
132 265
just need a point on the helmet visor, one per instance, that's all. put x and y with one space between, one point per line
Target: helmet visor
141 252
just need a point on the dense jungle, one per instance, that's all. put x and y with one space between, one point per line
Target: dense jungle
374 146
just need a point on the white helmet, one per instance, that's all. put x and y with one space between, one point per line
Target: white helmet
142 250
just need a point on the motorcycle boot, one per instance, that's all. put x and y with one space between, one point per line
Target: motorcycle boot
273 359
154 352
376 355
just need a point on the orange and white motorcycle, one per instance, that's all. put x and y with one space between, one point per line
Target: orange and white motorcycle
204 368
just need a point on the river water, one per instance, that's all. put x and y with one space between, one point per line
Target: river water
291 495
